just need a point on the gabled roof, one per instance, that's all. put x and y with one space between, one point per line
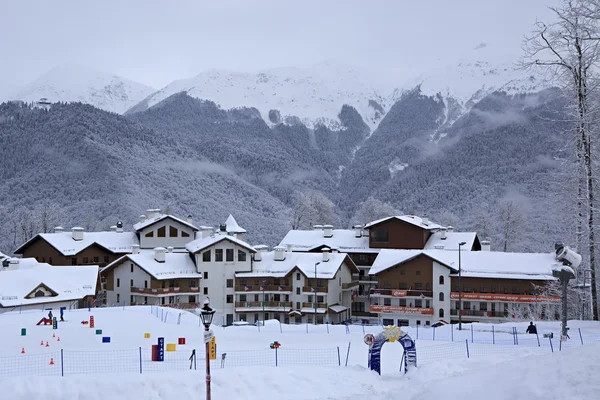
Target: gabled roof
150 221
411 219
176 265
435 241
203 243
41 285
63 242
304 262
69 282
477 264
232 226
343 240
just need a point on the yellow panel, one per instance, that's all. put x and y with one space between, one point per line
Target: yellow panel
171 347
146 336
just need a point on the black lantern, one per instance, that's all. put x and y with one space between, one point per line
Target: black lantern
207 314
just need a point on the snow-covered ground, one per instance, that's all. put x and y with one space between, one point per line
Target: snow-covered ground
307 361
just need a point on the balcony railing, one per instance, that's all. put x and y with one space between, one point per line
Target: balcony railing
261 288
266 304
365 278
506 298
401 293
363 314
157 291
480 313
312 305
314 289
350 285
401 310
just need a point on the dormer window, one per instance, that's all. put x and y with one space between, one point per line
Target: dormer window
149 234
161 232
380 234
184 234
173 232
40 293
229 255
241 255
219 255
206 256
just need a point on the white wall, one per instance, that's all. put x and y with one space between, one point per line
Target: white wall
176 242
124 274
218 273
439 270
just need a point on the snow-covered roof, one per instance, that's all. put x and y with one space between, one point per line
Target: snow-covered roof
435 241
307 310
411 219
3 256
337 308
176 265
63 242
477 264
343 240
232 225
200 244
68 282
305 262
149 221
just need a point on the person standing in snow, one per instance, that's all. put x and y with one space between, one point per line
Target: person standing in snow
531 328
50 315
62 311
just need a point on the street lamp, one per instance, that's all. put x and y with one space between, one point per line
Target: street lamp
315 292
207 314
460 288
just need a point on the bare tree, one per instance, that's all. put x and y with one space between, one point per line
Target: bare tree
511 222
569 49
373 209
312 208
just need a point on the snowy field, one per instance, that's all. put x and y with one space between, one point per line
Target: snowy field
311 363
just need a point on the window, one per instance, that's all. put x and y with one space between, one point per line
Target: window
493 289
191 299
298 276
149 234
242 317
229 298
418 322
441 279
427 304
340 297
85 260
229 282
297 290
387 285
145 284
242 297
229 255
340 281
184 234
320 283
206 256
402 285
161 232
219 255
118 298
255 297
297 305
428 286
483 306
402 272
106 259
516 290
131 299
131 283
466 305
319 299
192 283
505 290
74 261
96 260
380 234
418 286
418 303
39 293
241 255
418 272
441 296
131 268
173 231
483 289
310 298
401 322
49 260
205 290
387 302
118 282
164 285
402 302
441 313
427 323
205 274
276 281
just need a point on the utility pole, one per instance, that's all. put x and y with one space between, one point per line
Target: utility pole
460 287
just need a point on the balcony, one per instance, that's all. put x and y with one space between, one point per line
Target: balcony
350 285
480 313
401 310
401 293
279 305
259 288
163 291
363 314
312 305
311 289
506 298
365 278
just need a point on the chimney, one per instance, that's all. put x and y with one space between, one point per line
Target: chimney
450 228
58 229
206 231
142 218
317 227
135 249
120 226
357 231
13 264
443 233
425 220
258 255
325 254
327 231
170 249
159 254
190 219
223 228
113 228
153 213
279 253
77 233
485 245
289 248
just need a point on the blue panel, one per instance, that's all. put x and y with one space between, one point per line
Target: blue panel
161 349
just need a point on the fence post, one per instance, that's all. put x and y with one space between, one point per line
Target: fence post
276 356
140 360
493 335
327 323
472 340
451 331
194 359
179 319
580 337
516 335
538 338
307 324
363 326
551 347
348 353
467 343
280 330
417 331
347 329
62 363
339 360
434 333
166 315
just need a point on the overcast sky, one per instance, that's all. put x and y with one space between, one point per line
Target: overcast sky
156 42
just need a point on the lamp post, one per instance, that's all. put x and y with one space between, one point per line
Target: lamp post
460 288
264 286
207 314
315 293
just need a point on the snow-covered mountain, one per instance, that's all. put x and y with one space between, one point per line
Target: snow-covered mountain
72 82
314 95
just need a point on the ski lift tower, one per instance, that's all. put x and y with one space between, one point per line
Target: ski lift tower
570 261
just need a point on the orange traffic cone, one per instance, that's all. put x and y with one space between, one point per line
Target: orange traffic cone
42 343
58 340
47 345
52 361
22 350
